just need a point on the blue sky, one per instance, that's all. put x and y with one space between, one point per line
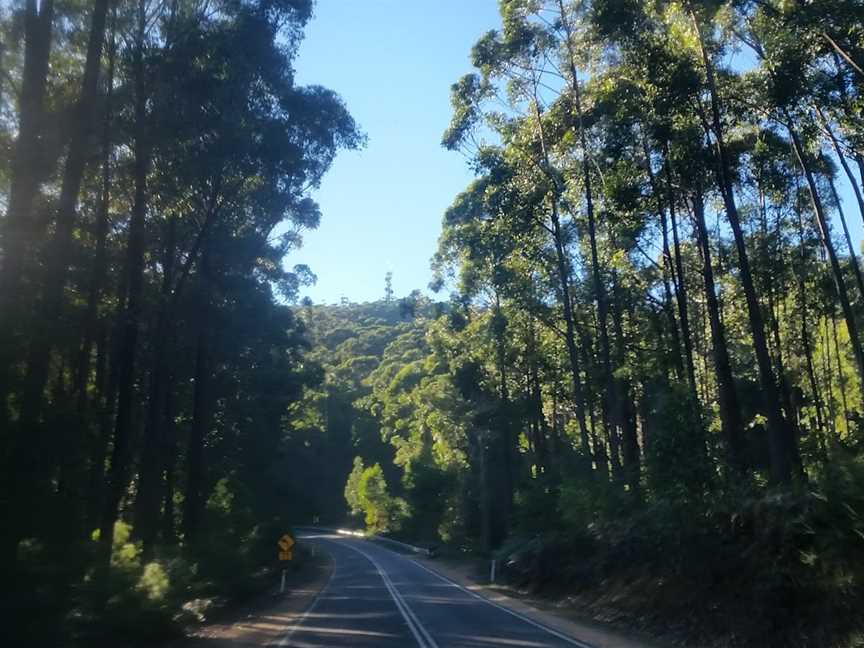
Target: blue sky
392 61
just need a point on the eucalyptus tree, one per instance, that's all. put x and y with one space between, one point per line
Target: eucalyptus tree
788 99
528 58
657 84
487 238
565 33
250 167
781 437
530 195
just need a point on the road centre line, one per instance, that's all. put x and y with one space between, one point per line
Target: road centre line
424 639
521 617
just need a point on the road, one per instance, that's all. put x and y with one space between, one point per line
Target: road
381 599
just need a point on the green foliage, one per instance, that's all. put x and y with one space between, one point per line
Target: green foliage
677 461
366 493
145 326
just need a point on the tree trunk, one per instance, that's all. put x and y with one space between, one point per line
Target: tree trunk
505 432
563 267
629 435
839 152
49 320
825 234
828 371
128 349
785 386
100 263
169 531
853 257
808 355
193 505
18 447
681 291
106 387
18 226
778 428
844 55
150 474
730 413
48 323
841 377
668 269
610 393
541 450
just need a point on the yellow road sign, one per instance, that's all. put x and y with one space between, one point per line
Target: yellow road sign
285 543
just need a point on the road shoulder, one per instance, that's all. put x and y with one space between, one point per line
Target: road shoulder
264 622
543 612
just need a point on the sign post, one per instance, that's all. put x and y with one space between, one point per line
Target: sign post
285 544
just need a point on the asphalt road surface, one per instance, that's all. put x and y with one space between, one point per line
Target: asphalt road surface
380 599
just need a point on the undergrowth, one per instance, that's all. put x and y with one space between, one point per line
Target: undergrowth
733 567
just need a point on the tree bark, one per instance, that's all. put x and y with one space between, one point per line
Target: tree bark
610 393
681 291
505 425
730 412
808 354
48 323
778 428
827 243
128 349
100 262
194 502
841 377
848 171
774 327
668 269
169 531
562 265
18 227
629 435
17 240
49 320
150 474
853 257
20 451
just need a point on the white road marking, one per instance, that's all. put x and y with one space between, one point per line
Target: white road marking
310 609
521 617
424 639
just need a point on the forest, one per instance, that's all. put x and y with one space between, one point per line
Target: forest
636 378
157 159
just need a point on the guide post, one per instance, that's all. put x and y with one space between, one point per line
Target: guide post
285 544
